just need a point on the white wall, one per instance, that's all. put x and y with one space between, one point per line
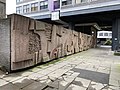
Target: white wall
104 34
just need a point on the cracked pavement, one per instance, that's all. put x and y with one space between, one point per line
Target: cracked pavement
94 69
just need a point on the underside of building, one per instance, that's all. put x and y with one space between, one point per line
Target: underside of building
79 15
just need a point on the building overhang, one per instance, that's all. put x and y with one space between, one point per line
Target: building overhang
91 10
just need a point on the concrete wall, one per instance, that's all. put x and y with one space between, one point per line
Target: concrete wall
5 43
25 42
2 8
34 42
4 1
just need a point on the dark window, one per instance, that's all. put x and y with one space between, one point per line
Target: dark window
26 8
84 0
105 34
19 1
34 7
19 10
43 5
110 34
56 4
100 34
66 2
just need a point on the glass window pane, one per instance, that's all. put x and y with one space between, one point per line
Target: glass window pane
43 5
100 34
110 34
34 7
105 34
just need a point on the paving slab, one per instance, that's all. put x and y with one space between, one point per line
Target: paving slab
92 67
55 84
115 75
12 77
104 70
3 82
24 73
35 76
81 82
75 87
46 80
63 85
9 87
21 83
96 86
44 71
35 86
113 88
57 73
70 78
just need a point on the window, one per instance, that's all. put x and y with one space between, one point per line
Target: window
105 34
19 10
43 5
84 0
56 4
34 7
19 1
100 34
26 8
66 2
110 34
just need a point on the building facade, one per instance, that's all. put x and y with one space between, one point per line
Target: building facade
76 13
2 8
104 34
40 9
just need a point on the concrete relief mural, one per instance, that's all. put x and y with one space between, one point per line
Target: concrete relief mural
34 42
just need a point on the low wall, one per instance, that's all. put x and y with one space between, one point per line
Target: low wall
33 42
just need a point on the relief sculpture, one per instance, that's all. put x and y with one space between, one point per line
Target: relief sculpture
33 42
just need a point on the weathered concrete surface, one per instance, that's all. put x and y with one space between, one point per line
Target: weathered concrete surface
2 9
27 42
95 69
5 44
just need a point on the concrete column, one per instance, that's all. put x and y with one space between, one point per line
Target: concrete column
94 34
51 5
60 4
71 26
115 34
73 2
30 7
38 6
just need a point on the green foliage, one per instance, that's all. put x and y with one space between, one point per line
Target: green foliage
108 42
117 53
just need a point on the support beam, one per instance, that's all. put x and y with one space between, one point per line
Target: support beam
115 34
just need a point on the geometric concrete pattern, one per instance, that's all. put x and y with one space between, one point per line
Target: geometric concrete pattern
94 69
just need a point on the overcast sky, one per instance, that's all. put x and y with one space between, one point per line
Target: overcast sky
10 6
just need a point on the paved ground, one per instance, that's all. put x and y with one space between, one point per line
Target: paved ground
95 69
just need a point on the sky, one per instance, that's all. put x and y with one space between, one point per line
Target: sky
10 6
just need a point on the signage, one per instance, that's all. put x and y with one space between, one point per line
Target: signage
55 15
